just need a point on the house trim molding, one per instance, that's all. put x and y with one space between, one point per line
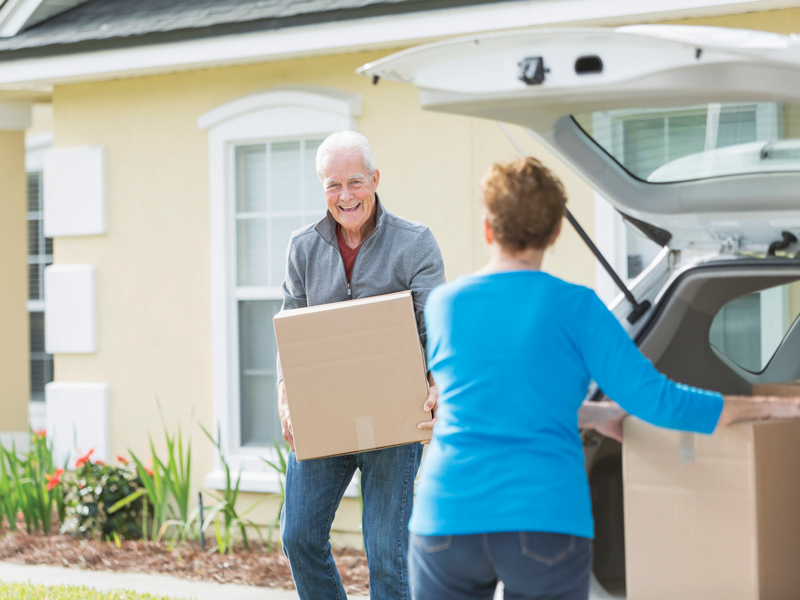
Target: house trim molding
314 98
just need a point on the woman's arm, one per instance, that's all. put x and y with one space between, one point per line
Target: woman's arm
758 408
606 417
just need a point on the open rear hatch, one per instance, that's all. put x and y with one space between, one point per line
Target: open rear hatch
691 132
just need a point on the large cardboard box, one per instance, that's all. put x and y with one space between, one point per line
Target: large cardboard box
724 524
355 375
788 388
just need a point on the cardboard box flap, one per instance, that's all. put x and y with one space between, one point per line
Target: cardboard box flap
785 388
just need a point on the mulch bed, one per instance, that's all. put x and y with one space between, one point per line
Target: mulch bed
255 567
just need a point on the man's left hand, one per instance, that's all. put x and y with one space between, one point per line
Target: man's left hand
431 404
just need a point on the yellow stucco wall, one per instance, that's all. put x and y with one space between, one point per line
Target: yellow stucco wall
778 21
153 265
14 343
41 118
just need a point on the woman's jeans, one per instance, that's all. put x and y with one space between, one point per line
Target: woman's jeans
314 489
531 565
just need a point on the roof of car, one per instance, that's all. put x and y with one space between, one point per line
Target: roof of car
103 24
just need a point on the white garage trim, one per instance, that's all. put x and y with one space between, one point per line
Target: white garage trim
71 308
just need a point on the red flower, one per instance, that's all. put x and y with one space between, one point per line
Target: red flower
148 471
82 460
122 459
40 433
100 462
54 479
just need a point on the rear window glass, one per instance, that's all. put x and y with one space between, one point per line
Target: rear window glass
749 330
699 142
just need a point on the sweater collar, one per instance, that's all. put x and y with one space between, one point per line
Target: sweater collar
326 227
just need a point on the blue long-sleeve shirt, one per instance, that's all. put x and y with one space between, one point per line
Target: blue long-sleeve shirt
513 354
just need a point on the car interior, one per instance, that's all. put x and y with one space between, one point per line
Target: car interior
721 326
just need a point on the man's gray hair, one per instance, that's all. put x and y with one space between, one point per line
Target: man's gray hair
349 142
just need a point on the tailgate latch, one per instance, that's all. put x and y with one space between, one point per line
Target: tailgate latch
531 70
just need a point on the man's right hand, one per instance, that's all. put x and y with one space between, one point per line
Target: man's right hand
286 420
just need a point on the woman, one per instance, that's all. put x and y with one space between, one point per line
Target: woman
503 493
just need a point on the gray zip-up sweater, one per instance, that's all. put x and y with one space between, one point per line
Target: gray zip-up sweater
398 255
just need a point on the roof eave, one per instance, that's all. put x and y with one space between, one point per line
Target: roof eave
151 57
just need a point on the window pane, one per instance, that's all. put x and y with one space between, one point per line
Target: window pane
645 146
314 196
41 363
749 330
34 282
48 246
251 178
736 331
686 135
309 218
34 191
697 142
737 127
252 251
281 230
257 353
285 177
41 375
33 237
37 331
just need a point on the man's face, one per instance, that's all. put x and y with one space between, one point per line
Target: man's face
349 190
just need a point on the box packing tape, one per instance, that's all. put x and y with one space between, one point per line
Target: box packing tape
365 433
687 447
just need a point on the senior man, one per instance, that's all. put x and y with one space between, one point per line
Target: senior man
358 250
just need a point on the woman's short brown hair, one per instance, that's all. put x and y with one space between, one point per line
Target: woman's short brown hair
524 202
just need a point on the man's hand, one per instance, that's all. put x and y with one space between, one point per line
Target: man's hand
604 417
283 411
431 404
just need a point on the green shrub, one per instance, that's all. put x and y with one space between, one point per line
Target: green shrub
31 485
97 487
166 489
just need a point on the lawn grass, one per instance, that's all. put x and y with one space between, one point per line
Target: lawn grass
25 591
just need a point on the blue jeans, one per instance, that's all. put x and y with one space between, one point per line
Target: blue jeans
314 489
531 565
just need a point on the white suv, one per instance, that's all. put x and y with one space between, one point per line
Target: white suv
693 135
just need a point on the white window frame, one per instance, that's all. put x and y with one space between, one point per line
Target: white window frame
278 114
35 148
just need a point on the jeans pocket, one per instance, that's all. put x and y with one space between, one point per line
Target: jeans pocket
546 548
431 544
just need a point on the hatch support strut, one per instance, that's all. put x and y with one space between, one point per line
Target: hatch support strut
639 308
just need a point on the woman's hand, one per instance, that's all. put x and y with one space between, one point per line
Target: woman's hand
604 417
431 404
758 408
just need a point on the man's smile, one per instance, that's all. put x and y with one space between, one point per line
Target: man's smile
350 208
